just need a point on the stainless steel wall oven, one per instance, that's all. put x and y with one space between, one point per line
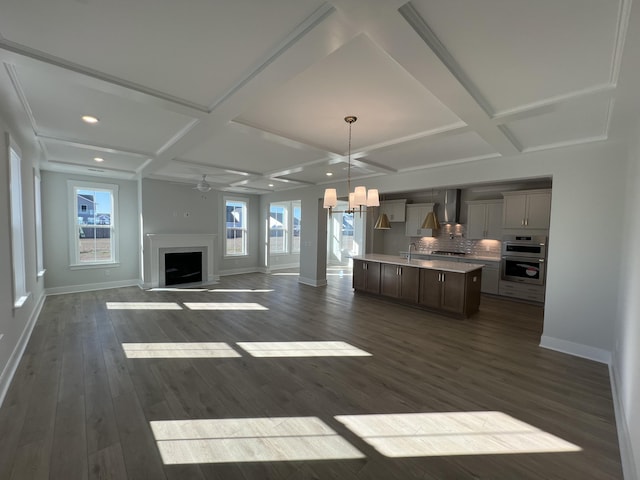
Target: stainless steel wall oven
524 258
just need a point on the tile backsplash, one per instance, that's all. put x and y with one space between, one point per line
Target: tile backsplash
454 238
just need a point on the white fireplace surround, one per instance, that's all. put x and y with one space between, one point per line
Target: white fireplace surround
163 243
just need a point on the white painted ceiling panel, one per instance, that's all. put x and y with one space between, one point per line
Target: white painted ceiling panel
241 148
85 156
429 151
358 79
519 52
318 173
58 103
569 123
175 47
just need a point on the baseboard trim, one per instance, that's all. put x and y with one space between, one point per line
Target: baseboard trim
313 282
284 266
239 271
627 459
92 286
14 360
576 349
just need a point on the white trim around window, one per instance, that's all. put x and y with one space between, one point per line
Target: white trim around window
235 218
284 227
20 294
93 224
37 202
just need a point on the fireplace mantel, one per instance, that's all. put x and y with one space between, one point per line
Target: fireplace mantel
158 241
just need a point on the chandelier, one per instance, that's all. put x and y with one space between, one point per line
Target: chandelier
360 197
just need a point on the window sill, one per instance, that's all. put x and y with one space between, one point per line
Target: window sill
89 266
19 303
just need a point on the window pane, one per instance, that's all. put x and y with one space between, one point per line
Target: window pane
236 227
297 222
278 229
94 217
17 230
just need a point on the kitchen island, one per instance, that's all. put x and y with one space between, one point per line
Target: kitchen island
448 287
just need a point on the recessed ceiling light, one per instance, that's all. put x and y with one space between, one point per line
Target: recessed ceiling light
90 119
329 174
271 184
98 159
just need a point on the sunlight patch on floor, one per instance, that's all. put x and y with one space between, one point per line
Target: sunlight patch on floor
249 440
286 274
302 349
452 433
179 350
143 306
224 306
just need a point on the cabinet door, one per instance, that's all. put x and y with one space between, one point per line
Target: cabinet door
409 281
452 298
476 221
493 228
359 275
372 277
389 280
514 209
415 216
430 288
490 280
538 210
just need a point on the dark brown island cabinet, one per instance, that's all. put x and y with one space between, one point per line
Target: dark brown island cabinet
447 287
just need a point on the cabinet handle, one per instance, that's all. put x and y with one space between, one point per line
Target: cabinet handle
522 222
399 270
526 222
443 277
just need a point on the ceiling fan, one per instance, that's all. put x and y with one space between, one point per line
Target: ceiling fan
203 185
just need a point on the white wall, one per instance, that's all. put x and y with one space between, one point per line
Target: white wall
55 217
626 352
177 208
16 325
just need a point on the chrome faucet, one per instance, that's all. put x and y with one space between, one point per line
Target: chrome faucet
409 254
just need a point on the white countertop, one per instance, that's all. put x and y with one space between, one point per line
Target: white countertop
461 257
443 265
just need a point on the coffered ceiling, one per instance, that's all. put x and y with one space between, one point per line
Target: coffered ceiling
253 93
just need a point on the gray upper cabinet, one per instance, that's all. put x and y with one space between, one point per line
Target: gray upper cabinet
484 220
527 209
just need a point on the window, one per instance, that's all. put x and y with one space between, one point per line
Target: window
297 224
37 198
20 294
284 227
235 227
93 236
278 223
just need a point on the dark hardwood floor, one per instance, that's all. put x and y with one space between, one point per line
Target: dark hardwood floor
80 408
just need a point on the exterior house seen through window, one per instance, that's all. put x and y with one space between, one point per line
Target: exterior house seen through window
93 239
235 228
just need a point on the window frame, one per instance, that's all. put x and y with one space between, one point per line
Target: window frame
244 228
285 206
17 245
290 246
74 252
37 201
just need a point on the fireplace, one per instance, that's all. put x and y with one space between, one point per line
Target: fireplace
176 259
182 267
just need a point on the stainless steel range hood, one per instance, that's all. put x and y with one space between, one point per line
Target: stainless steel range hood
450 211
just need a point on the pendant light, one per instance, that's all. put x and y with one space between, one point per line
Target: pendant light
360 197
383 222
431 221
